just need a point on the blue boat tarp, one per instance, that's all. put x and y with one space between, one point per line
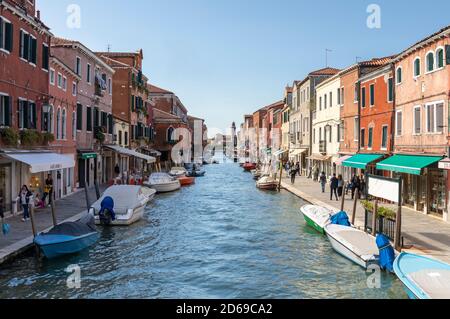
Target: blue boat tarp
387 253
340 218
107 205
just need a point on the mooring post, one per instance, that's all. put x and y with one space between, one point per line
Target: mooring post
354 206
33 224
343 198
97 189
374 218
281 174
52 204
88 205
398 229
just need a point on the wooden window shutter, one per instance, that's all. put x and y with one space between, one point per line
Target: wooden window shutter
9 37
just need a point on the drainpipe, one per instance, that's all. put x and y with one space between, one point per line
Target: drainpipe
392 143
358 87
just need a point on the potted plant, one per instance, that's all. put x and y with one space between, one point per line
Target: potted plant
9 137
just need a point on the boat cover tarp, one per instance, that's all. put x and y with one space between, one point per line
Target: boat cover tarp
434 282
161 178
387 253
107 204
340 218
74 229
125 197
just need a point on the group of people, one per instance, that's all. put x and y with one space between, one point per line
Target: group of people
26 198
356 185
293 169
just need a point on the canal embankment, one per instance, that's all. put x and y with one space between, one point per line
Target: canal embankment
20 238
424 235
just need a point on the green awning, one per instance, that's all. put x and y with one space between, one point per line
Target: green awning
361 160
408 164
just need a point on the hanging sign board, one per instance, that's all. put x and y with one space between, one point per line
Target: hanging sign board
385 188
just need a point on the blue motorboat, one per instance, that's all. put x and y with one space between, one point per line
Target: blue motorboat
423 278
68 238
196 173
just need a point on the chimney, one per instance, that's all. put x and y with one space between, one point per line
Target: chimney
38 14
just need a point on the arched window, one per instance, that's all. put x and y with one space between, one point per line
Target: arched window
417 67
74 125
170 134
63 125
430 61
58 124
399 75
440 58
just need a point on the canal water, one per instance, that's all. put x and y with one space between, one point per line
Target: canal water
221 238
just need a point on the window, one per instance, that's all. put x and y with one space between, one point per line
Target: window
6 35
417 120
356 129
110 86
330 131
170 134
63 124
79 117
126 138
384 137
28 47
372 94
363 137
399 74
58 124
52 77
89 119
440 58
320 103
60 80
45 57
47 119
88 73
96 117
363 97
339 96
320 134
356 97
342 96
417 67
64 83
435 117
314 135
430 61
74 126
104 119
27 115
78 66
74 88
110 124
370 143
399 123
120 137
390 90
325 102
5 110
341 132
331 99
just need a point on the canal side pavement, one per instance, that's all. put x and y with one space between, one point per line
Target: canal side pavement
20 238
424 235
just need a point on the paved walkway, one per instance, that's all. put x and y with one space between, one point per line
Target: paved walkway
423 234
20 238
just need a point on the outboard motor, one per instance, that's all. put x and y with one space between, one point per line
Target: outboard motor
387 253
341 218
106 213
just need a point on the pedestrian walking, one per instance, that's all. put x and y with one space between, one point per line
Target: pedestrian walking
297 168
356 186
48 190
334 187
323 181
340 186
25 198
293 173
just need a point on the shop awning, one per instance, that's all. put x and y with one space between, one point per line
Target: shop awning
340 160
128 152
361 160
44 162
297 152
280 152
408 164
318 157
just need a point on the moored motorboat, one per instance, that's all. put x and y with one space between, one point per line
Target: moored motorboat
249 167
68 238
267 183
354 244
186 180
163 183
178 171
423 277
121 205
317 217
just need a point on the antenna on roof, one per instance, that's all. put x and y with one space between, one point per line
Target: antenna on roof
358 58
109 47
326 56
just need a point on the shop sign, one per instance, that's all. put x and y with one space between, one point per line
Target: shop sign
444 164
86 156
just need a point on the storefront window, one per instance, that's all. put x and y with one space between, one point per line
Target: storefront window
437 180
5 187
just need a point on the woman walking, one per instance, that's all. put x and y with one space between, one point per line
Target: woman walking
24 198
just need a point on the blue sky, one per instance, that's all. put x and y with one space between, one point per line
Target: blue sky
226 58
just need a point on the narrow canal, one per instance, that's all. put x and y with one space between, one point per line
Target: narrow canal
221 238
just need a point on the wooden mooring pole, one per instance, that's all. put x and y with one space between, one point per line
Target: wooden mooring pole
52 204
86 193
374 218
398 229
281 174
33 228
343 198
354 206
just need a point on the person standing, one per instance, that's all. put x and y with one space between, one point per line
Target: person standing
356 186
48 190
340 186
323 181
293 173
24 199
297 168
334 187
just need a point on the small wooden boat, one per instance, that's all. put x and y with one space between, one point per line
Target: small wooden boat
354 244
178 171
68 238
423 278
196 173
186 181
249 167
317 217
163 183
127 207
267 183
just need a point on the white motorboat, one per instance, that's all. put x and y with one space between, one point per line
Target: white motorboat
178 171
317 216
354 244
267 183
163 183
128 205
